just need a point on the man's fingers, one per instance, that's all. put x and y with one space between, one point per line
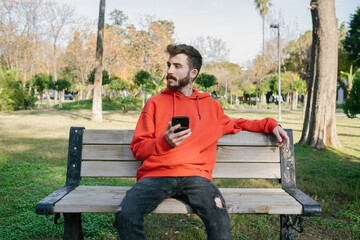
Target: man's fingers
175 127
180 139
279 138
168 126
175 139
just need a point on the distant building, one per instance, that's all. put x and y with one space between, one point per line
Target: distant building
340 97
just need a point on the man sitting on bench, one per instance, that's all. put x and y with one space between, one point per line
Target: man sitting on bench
179 164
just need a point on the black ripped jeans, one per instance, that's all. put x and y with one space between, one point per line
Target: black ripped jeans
198 192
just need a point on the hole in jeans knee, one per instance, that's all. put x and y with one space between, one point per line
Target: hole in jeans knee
118 210
218 202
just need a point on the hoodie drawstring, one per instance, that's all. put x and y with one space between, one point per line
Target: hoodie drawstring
198 105
174 104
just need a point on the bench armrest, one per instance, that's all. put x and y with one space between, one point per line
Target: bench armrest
310 206
45 206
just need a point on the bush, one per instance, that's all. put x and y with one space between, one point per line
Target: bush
125 103
12 95
118 84
352 105
206 81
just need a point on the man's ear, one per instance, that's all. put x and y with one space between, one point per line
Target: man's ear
193 74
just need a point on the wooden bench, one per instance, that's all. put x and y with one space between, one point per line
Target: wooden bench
106 153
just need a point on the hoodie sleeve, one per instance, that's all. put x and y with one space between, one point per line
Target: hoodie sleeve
265 125
144 143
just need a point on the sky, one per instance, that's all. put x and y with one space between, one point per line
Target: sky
236 22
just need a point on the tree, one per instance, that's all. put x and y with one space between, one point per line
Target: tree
97 101
22 36
213 50
263 6
319 127
226 72
347 76
299 86
263 89
352 104
299 55
61 85
141 78
58 16
206 81
118 17
43 82
352 39
79 55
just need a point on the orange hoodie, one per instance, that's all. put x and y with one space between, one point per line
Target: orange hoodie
196 155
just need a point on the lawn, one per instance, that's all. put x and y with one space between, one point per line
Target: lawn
33 151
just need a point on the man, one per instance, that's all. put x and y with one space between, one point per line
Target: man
180 165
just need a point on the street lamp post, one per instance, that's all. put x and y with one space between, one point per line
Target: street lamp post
279 70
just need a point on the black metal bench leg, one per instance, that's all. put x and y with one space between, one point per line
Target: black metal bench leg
72 228
287 227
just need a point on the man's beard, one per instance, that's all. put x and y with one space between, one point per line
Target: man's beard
180 83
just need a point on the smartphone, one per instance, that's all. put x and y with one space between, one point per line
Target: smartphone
184 122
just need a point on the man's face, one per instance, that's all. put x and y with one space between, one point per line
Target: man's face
178 73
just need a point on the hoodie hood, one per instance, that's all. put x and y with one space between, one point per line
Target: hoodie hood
196 96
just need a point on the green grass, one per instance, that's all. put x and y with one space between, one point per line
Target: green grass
33 151
107 105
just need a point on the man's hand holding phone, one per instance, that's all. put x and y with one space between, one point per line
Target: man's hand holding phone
177 131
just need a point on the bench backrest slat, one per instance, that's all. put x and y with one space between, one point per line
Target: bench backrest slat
97 136
223 154
106 153
221 170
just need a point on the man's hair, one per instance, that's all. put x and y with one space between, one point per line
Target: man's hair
194 56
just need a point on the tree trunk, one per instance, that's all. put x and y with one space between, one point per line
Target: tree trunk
61 97
55 72
97 103
295 100
288 98
319 129
89 91
47 98
25 70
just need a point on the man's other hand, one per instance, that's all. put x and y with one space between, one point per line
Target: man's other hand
281 136
175 139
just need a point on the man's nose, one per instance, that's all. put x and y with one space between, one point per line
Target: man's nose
170 70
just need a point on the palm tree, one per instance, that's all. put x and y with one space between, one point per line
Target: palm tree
263 6
97 103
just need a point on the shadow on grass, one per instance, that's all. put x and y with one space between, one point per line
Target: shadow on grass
75 115
50 151
348 135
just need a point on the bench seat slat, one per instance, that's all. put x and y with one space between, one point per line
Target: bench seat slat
223 154
102 199
100 136
221 170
